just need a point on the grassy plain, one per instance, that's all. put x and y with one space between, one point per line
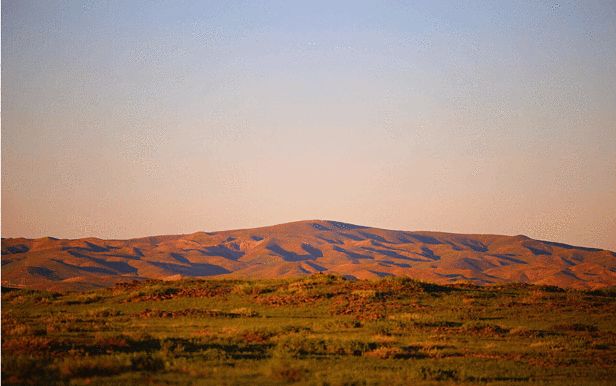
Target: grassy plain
317 330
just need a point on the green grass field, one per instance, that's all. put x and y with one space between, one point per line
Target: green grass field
317 330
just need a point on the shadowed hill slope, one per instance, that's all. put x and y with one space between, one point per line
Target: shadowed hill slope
303 248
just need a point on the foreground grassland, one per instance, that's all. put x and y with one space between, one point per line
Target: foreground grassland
317 330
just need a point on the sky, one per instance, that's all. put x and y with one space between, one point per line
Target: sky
126 118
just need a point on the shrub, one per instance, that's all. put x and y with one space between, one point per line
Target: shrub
430 374
385 352
300 345
26 345
383 329
286 371
296 345
485 329
113 342
80 367
244 312
523 331
104 313
16 329
27 370
258 335
251 288
577 327
83 299
608 292
215 355
146 362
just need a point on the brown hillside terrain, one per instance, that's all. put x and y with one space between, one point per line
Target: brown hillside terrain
303 248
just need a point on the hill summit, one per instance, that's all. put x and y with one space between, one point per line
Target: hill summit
303 248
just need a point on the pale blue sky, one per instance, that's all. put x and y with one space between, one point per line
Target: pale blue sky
126 118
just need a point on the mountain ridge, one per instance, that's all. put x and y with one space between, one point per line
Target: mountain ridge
302 248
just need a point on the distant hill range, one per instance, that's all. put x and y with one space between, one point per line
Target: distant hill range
304 248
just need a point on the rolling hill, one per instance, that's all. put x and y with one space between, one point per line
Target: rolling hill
304 248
